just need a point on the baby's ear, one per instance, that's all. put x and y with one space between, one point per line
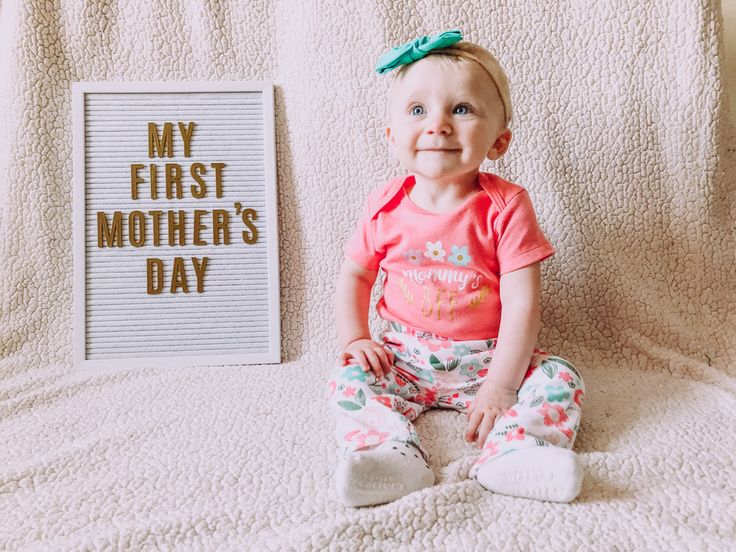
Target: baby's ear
500 146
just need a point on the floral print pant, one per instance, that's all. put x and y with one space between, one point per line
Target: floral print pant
431 371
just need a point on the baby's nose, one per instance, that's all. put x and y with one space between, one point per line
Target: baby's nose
439 124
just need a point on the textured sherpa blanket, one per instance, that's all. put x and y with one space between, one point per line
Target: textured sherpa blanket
620 137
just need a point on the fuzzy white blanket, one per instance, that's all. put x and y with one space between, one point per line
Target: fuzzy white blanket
620 137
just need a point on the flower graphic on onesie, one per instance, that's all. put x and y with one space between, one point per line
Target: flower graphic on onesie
460 256
435 252
414 256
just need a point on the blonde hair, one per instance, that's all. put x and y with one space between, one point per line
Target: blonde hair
464 50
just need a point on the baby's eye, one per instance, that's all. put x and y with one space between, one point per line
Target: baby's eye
462 109
417 110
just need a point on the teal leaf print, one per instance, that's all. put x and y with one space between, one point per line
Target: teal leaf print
394 326
549 369
360 397
435 362
453 364
349 405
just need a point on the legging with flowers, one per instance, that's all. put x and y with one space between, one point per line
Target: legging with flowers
435 372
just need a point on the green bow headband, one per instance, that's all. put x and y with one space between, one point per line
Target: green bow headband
415 50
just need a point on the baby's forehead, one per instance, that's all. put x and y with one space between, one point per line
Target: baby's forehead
444 74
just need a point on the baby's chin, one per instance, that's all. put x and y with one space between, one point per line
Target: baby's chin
442 170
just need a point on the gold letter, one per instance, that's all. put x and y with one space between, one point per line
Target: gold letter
178 225
162 146
426 302
199 271
136 218
218 178
173 176
150 264
198 226
221 221
439 301
198 191
156 226
110 235
248 215
179 276
135 179
453 293
154 181
186 134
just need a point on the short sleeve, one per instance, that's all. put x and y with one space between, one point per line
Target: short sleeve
519 239
361 245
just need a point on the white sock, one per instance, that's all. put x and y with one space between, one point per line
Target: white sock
369 477
544 473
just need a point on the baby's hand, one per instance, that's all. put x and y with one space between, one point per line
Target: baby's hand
491 402
370 355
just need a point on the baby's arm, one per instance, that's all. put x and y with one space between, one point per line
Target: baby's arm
517 336
352 299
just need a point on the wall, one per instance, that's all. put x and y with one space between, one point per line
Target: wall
729 34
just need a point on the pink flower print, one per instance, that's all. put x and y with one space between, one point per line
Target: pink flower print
482 373
516 433
385 401
565 376
511 413
554 415
349 392
435 345
566 432
370 439
489 450
414 256
331 386
349 436
427 396
579 397
395 344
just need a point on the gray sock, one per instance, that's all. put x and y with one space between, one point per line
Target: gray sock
542 473
380 475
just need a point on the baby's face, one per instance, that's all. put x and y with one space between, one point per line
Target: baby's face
445 119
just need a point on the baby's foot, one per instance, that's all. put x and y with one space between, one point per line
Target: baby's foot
543 473
369 477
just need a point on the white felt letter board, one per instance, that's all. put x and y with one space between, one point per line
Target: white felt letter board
175 224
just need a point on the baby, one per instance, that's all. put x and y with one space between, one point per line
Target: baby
460 251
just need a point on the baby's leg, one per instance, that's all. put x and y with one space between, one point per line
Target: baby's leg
381 458
529 451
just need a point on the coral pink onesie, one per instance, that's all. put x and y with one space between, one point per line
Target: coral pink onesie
442 270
